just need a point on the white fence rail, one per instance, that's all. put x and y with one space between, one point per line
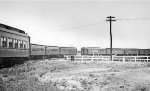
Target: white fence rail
114 58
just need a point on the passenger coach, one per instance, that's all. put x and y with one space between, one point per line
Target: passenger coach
52 52
97 51
37 51
14 44
115 51
68 51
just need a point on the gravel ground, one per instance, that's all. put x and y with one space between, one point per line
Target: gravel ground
61 75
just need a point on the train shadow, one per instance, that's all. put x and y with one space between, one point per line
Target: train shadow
10 62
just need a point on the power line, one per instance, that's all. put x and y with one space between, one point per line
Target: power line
83 26
93 24
135 19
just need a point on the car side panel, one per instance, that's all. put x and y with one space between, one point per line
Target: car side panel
37 49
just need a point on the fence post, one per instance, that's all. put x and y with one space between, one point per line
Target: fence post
72 58
135 58
92 58
123 59
66 57
147 59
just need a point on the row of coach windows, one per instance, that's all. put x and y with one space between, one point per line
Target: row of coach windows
13 43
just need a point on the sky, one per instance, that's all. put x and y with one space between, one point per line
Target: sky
80 23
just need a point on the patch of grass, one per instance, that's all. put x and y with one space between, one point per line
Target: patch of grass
141 88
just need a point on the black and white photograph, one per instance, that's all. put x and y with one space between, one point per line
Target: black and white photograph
74 45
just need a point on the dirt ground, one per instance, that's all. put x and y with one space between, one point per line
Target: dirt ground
61 75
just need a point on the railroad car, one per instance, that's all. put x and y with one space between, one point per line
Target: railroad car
144 52
131 52
14 45
68 50
93 51
52 51
37 51
115 51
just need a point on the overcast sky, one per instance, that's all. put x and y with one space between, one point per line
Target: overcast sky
80 23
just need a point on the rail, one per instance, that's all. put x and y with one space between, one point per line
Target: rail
114 58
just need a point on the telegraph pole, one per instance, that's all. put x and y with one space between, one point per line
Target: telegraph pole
110 19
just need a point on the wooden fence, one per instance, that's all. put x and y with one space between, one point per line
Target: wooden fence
107 58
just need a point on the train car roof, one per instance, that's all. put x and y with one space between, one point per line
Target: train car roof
51 46
92 48
131 48
43 45
37 44
11 28
116 48
67 47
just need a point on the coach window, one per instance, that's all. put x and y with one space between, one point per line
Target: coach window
10 43
21 44
15 43
24 44
4 42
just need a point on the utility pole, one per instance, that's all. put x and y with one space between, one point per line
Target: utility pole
110 20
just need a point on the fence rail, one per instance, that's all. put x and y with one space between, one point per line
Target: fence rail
107 58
